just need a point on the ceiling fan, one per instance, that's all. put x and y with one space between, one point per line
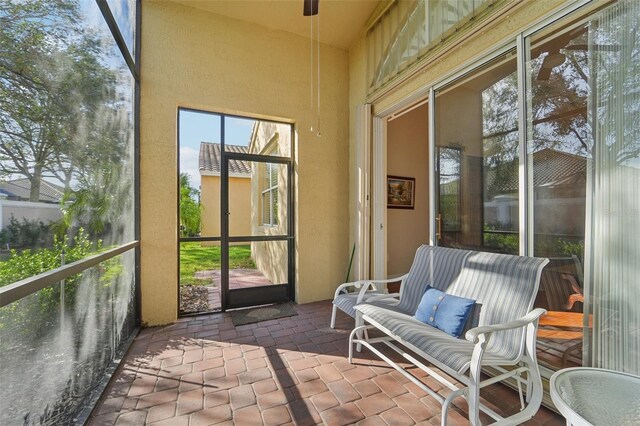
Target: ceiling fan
555 58
310 7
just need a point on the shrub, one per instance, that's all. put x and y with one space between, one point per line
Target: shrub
34 317
29 262
26 234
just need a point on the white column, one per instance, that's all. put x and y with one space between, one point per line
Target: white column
363 192
379 192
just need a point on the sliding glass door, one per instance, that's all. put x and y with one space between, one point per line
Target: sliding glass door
537 153
583 144
560 150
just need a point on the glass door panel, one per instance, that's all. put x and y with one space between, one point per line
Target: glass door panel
199 186
584 187
449 165
264 278
477 149
257 217
559 146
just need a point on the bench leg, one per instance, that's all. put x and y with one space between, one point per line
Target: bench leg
354 335
534 389
359 322
474 400
447 402
534 381
333 316
473 396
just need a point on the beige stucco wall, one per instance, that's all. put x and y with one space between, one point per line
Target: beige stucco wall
407 155
239 206
195 59
271 138
270 257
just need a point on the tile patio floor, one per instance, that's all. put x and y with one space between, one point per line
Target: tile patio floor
203 370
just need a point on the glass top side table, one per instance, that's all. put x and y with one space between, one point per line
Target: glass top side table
594 396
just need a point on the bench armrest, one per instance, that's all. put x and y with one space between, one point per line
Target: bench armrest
345 286
366 284
474 334
357 284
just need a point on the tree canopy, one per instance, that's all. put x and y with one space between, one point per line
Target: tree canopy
189 208
66 112
55 93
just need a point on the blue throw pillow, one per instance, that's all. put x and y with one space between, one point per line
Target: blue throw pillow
444 311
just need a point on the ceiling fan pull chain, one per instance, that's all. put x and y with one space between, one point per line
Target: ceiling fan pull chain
318 116
311 68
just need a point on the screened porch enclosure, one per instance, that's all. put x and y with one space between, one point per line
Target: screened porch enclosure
252 159
69 159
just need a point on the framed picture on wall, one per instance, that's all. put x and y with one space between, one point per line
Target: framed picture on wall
401 192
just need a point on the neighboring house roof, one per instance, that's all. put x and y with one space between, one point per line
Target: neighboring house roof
20 189
552 168
210 160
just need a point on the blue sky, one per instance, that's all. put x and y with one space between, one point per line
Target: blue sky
124 12
198 127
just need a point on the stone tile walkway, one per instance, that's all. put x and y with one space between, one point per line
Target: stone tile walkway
203 370
238 278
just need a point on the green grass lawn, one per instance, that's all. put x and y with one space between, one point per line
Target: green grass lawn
194 257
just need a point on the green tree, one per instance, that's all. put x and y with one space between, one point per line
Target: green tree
189 208
65 114
53 89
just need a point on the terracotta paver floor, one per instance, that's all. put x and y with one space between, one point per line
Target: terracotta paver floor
203 370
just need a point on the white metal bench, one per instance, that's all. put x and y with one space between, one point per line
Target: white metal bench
504 288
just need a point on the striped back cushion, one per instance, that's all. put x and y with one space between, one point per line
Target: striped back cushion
435 266
505 286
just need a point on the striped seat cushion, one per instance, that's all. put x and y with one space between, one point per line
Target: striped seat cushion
434 266
450 351
505 286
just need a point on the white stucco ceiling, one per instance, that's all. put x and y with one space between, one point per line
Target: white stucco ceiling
341 21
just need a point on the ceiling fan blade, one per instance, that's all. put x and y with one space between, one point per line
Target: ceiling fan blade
544 74
599 47
310 7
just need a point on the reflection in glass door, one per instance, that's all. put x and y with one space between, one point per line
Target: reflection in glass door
476 127
449 201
